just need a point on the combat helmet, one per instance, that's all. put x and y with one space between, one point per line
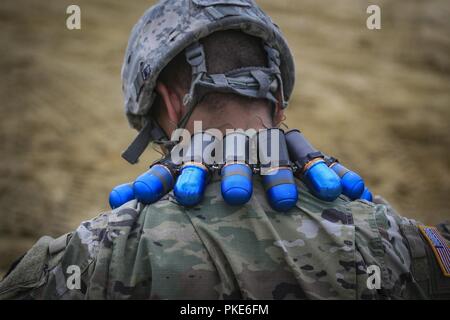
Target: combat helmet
171 26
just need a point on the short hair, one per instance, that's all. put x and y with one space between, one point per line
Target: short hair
225 51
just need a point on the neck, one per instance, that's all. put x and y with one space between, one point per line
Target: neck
232 116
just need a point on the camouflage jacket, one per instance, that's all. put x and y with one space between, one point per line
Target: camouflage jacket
318 250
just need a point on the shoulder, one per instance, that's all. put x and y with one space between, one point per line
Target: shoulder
43 272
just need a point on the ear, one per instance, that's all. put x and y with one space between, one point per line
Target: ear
172 101
278 115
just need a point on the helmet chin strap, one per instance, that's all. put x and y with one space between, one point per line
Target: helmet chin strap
252 82
150 132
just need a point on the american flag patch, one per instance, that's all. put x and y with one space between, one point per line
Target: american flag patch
440 247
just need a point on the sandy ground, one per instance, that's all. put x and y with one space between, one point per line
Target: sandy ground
377 100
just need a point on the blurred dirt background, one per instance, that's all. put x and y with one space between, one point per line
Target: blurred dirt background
377 100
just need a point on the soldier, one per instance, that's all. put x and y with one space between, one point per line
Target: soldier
225 63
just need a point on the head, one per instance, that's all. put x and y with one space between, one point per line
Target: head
155 80
225 51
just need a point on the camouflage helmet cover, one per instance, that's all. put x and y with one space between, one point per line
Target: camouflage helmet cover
170 26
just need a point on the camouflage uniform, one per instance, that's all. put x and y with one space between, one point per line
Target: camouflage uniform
318 250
